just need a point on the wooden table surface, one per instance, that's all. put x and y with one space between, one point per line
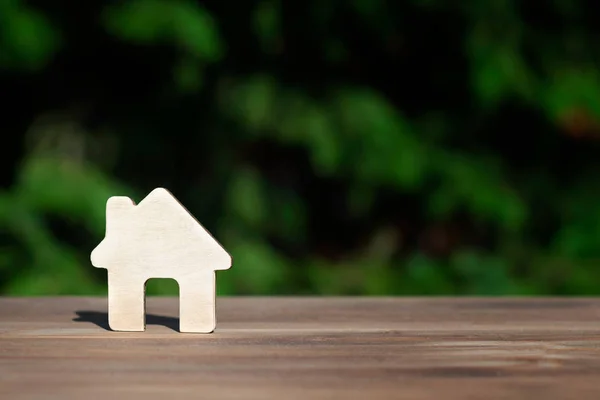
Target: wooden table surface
297 348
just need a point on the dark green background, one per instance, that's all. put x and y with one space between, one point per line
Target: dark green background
333 147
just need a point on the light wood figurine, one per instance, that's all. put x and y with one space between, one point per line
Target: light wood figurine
158 238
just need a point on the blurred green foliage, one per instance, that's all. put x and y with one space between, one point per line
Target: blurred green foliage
357 147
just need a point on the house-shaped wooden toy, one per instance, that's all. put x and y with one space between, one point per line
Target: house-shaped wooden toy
158 238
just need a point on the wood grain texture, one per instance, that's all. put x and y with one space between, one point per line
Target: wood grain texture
297 348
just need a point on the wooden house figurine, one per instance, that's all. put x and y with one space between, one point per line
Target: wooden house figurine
158 238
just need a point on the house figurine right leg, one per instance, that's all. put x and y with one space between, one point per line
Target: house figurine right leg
197 295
